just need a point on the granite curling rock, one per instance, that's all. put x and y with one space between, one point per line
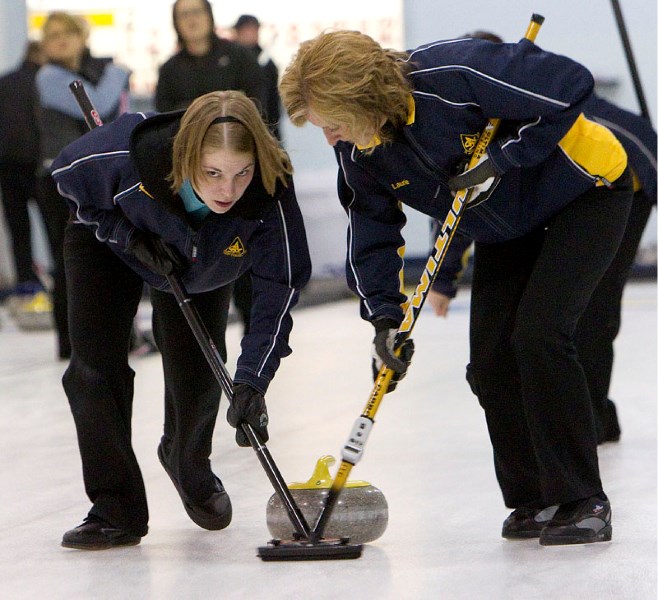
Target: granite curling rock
361 513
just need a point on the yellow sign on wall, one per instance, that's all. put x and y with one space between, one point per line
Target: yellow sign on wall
36 20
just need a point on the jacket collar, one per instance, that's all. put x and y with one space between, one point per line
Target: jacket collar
411 119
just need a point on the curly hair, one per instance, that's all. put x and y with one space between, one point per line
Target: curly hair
245 132
347 77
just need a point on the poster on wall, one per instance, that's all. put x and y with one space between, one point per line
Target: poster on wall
140 35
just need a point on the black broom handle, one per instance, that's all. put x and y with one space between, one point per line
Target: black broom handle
221 373
210 351
621 25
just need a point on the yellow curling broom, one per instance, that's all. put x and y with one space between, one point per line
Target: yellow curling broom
353 448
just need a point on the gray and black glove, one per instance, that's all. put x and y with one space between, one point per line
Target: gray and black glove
480 179
383 351
154 253
248 406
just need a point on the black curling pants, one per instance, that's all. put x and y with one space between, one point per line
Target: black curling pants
600 323
18 186
527 297
55 213
104 295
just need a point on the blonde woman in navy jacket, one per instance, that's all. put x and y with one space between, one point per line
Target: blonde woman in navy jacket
550 203
207 193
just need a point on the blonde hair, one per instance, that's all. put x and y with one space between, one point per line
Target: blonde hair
348 78
242 130
72 23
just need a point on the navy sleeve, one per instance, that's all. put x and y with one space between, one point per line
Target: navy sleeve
280 267
453 264
374 241
87 173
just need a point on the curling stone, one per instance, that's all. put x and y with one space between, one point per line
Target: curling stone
361 513
35 314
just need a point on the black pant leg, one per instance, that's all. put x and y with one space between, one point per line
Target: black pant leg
600 323
500 274
579 245
103 297
527 296
55 214
17 183
192 392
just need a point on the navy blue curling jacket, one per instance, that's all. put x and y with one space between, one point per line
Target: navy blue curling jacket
547 151
638 138
114 180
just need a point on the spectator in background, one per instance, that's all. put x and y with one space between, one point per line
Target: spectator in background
19 149
247 32
60 123
205 62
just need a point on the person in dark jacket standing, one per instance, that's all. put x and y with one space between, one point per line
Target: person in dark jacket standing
60 122
247 34
548 206
600 323
208 194
19 151
205 62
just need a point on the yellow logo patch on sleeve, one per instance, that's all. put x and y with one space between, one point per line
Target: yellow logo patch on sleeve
236 249
469 141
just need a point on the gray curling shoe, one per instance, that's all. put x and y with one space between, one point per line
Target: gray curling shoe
581 522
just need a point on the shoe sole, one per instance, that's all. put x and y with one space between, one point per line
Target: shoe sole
104 546
548 539
209 523
522 535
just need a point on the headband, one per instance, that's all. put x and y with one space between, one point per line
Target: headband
226 119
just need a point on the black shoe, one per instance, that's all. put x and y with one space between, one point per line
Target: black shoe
581 522
525 523
214 513
96 534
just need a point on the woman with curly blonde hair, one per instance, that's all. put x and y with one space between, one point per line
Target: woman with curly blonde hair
403 124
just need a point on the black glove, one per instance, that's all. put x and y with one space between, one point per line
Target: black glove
383 351
155 254
248 406
481 177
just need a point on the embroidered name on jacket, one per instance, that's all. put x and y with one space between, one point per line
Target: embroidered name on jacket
469 141
236 249
399 184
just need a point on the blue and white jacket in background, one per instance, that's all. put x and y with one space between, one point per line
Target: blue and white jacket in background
114 178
